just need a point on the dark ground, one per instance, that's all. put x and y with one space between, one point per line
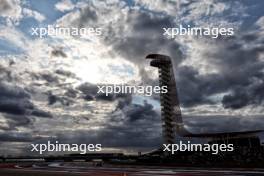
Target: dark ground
84 169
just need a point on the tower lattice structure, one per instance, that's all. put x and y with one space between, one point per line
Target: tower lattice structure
170 108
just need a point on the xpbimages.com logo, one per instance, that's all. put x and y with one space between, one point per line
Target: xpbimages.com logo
65 31
59 147
182 147
213 32
131 89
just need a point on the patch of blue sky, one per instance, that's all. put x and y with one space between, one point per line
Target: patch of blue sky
124 69
2 21
254 10
139 100
26 25
129 2
47 8
9 48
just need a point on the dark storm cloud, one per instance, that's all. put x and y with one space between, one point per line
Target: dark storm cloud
88 97
240 74
15 107
124 101
65 100
135 123
51 78
65 73
118 136
89 91
139 35
101 96
54 86
146 37
12 91
48 77
241 96
15 121
56 79
40 113
242 70
16 100
16 137
139 112
130 136
58 52
71 92
221 123
88 88
5 74
4 6
141 123
195 88
88 16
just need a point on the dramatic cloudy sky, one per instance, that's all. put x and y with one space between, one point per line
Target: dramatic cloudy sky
48 86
